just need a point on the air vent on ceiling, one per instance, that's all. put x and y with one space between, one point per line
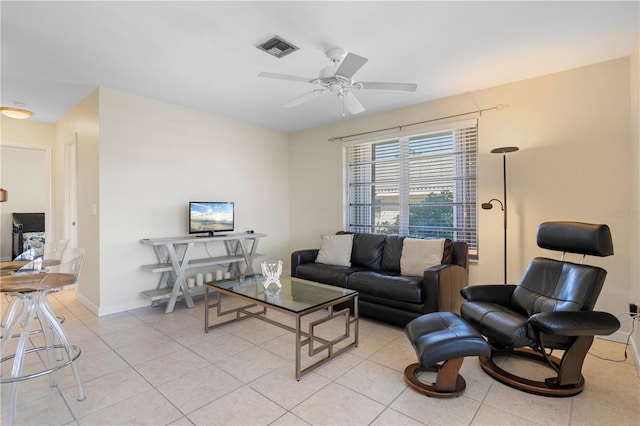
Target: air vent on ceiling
277 47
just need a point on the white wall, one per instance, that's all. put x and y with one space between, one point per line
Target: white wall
82 121
25 172
154 158
573 132
140 162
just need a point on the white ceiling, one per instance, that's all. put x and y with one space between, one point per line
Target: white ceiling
202 55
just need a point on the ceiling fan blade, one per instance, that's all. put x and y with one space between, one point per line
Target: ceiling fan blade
352 103
404 87
350 65
285 77
302 99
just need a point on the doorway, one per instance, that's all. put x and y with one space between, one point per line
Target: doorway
25 172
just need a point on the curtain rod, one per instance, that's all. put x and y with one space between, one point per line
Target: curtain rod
340 138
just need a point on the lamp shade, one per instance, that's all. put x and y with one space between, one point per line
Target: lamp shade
504 149
4 195
18 113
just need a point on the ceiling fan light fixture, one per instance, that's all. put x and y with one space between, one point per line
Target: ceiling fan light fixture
336 54
18 113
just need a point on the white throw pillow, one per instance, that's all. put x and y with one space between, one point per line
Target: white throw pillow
335 250
419 254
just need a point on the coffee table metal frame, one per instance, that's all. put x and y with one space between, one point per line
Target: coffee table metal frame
303 338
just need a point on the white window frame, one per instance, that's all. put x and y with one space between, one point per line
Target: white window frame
463 181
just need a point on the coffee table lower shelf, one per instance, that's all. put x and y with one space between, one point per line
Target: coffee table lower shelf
315 343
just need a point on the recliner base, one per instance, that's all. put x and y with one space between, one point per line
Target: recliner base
547 388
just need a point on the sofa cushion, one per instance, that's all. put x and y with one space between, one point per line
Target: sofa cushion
335 250
367 251
419 254
326 274
387 285
392 253
32 245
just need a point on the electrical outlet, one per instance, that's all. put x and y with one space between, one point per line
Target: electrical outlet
633 310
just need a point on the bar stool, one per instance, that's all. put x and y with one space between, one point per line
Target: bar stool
29 303
52 256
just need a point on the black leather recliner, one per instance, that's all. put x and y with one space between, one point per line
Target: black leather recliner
551 308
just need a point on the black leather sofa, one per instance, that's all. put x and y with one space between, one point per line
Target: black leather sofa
385 294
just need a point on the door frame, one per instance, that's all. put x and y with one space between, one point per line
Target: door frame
70 223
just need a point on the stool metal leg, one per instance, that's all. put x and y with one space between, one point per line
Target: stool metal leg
16 369
64 340
50 345
15 301
17 307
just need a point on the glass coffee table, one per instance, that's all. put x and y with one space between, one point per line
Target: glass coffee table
297 298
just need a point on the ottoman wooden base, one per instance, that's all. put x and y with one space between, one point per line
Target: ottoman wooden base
448 382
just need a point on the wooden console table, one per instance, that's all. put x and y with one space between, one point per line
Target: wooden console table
173 265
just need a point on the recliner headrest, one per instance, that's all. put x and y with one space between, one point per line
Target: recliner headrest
576 237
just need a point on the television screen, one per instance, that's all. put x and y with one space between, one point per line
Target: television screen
210 216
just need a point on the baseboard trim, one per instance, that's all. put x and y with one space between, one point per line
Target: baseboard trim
102 311
108 310
620 337
636 355
87 303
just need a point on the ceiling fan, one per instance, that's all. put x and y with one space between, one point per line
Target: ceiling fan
338 79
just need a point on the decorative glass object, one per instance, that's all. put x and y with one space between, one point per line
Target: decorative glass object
271 270
272 292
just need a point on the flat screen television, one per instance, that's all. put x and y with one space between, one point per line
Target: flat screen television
209 217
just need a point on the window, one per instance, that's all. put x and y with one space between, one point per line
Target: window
421 184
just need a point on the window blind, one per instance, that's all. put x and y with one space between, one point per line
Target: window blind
421 184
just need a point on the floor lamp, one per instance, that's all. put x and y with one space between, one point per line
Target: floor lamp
503 205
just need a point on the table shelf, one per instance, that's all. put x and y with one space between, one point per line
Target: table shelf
161 295
197 263
174 259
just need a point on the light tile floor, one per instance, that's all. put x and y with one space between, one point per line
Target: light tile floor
147 367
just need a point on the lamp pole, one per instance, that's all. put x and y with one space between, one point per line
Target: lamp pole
504 151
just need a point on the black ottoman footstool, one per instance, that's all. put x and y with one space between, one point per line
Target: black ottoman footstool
447 338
